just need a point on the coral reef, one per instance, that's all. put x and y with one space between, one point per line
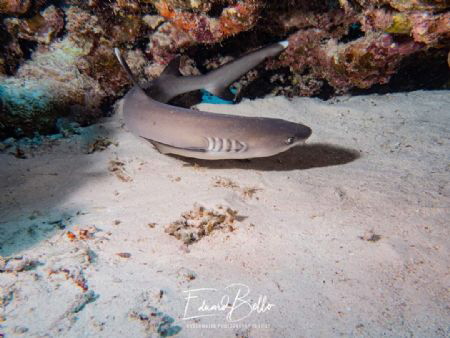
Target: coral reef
45 88
188 23
75 76
42 28
407 5
14 6
360 63
359 46
430 29
57 60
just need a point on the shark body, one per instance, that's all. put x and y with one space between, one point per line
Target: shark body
200 134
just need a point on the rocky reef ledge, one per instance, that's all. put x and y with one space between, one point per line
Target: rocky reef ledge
56 57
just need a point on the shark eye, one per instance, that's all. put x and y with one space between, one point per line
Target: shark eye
290 140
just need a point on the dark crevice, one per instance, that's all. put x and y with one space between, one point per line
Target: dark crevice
326 92
287 5
27 47
426 70
216 10
354 32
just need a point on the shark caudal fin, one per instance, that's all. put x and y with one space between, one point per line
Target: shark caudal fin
126 67
173 68
284 43
221 78
162 148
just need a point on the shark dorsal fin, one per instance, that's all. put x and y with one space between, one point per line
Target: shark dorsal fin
173 68
125 66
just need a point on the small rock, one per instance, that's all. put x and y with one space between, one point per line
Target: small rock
20 329
124 254
187 274
153 21
17 264
370 237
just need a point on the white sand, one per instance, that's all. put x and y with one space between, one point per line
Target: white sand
340 245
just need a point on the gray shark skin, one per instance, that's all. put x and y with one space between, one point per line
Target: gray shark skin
200 134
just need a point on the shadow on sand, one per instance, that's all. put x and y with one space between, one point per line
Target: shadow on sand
299 158
35 190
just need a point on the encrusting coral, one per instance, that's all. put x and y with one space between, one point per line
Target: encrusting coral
14 6
74 77
48 86
56 59
430 29
42 27
352 47
188 23
407 5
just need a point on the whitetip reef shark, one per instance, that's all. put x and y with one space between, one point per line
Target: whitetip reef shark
200 134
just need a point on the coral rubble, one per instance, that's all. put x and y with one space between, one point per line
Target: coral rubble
200 222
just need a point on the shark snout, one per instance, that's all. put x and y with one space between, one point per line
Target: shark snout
303 132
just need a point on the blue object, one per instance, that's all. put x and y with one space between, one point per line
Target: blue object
207 97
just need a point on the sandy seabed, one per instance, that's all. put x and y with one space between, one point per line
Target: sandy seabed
347 235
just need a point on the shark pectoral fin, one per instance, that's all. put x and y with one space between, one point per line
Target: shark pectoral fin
173 68
168 149
160 147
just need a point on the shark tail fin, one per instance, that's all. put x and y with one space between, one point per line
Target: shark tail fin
126 67
232 71
173 68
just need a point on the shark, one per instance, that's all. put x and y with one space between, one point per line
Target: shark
200 134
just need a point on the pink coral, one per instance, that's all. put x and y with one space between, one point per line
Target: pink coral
432 30
417 5
332 21
363 62
166 41
360 63
203 28
186 28
402 5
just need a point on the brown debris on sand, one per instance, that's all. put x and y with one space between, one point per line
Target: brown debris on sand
118 169
74 274
200 222
370 237
17 264
81 233
100 144
246 192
